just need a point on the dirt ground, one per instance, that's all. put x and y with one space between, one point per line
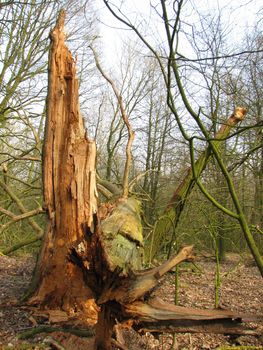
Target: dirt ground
241 290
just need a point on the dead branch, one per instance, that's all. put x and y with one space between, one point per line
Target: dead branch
114 189
187 326
126 122
21 207
158 316
48 329
16 218
103 190
22 244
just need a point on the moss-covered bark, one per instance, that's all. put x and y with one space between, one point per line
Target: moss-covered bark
176 204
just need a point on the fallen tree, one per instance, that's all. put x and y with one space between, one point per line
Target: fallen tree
174 209
90 265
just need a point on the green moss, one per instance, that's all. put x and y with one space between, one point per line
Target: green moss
122 236
126 221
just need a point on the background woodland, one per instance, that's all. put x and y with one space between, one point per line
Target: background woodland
217 76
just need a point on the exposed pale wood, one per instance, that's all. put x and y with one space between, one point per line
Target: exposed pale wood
137 284
158 316
77 261
156 309
70 194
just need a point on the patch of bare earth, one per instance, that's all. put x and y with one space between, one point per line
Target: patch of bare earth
241 290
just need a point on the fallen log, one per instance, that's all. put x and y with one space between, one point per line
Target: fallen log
158 316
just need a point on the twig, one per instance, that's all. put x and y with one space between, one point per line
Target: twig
55 344
21 207
138 177
126 122
257 229
16 218
118 345
246 156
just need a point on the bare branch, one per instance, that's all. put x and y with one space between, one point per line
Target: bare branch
125 120
16 218
21 207
243 159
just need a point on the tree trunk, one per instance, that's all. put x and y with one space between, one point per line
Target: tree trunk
83 258
69 188
176 204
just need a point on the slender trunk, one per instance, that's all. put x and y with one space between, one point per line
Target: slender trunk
176 204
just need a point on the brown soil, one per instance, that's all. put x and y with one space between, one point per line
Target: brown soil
241 290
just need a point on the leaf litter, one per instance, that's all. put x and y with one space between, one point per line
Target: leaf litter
241 290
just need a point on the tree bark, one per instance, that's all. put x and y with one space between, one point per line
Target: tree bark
69 189
89 268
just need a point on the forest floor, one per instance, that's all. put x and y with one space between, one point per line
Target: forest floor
241 290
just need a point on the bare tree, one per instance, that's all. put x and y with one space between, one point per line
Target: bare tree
170 68
24 33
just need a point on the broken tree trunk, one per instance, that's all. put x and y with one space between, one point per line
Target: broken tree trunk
88 265
69 188
176 204
123 293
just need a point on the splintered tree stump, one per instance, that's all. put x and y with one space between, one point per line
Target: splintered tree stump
91 265
69 188
124 292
